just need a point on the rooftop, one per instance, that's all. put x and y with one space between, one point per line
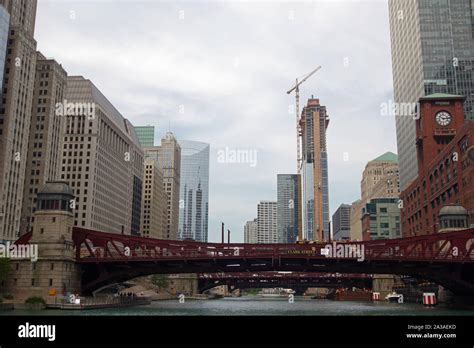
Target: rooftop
387 157
435 96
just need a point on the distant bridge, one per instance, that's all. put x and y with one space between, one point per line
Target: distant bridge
295 280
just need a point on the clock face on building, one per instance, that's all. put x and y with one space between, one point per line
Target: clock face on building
443 118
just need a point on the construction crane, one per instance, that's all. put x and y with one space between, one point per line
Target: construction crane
296 88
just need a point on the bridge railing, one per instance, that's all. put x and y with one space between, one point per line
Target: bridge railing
93 246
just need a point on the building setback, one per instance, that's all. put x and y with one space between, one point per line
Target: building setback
146 135
44 149
15 112
445 154
341 222
168 157
250 232
315 181
154 201
194 191
432 52
289 207
102 161
267 222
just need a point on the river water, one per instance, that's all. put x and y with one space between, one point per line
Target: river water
259 306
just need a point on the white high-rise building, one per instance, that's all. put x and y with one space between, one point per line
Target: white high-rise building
250 232
267 231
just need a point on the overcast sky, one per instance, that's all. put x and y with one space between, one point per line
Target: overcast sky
218 72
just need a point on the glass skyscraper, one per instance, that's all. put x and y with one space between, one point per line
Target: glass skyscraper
194 191
146 135
432 52
288 208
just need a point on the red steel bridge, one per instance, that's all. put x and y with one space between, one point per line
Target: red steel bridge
298 281
444 258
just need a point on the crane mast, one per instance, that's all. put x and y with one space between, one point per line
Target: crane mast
296 88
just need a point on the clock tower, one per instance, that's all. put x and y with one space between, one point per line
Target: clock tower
440 117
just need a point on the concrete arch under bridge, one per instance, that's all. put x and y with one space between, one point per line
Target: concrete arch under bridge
296 281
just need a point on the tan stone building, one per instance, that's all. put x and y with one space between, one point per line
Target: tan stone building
101 160
168 157
154 202
44 149
53 271
380 179
15 112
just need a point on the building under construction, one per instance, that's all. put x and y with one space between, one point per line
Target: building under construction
313 124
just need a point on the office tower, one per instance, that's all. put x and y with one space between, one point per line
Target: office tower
315 183
194 191
445 155
168 157
432 52
250 232
44 148
154 201
267 231
146 135
341 222
102 160
288 208
381 219
380 179
15 112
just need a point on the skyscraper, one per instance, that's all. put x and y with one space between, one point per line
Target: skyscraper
267 231
15 112
154 202
44 149
194 191
146 135
168 157
102 160
432 52
341 222
289 207
315 181
250 232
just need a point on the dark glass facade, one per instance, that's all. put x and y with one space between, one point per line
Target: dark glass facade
288 207
136 205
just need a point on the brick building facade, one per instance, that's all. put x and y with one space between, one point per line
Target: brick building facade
445 154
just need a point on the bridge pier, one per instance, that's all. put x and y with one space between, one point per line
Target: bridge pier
53 270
